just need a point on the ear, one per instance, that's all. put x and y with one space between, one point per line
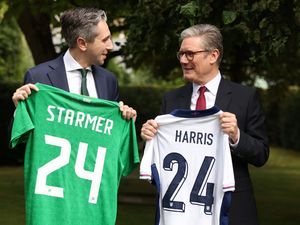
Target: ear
81 43
214 55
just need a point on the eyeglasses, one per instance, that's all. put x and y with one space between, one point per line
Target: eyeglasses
189 54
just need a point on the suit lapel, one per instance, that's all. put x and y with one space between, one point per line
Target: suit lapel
223 97
184 100
100 88
57 75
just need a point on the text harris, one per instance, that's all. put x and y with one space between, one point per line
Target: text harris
193 137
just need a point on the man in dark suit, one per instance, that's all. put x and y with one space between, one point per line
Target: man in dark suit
242 119
89 39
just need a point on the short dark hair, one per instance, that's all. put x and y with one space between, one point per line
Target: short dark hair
80 22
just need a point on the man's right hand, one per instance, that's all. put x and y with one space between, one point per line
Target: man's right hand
149 129
23 92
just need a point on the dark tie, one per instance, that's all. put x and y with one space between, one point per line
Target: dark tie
201 103
83 90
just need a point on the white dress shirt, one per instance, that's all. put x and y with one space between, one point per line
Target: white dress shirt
210 93
74 76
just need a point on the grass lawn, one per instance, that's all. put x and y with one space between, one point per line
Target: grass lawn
277 189
12 196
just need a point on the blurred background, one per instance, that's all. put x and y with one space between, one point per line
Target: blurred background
261 49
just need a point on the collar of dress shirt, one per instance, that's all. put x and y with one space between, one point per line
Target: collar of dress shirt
212 85
71 64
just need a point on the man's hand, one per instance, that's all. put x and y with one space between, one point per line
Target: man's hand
127 112
229 126
23 92
149 129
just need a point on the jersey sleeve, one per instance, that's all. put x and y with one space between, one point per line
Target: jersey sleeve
129 149
147 160
228 175
22 125
150 155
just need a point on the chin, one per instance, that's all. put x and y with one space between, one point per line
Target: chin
100 62
188 77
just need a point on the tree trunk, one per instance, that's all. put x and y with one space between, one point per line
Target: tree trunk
36 28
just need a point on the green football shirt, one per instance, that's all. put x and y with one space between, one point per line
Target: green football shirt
77 150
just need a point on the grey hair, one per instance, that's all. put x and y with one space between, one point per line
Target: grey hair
212 37
80 22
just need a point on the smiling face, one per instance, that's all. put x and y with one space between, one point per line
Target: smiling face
97 50
204 65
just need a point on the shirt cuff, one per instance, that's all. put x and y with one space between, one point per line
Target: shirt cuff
234 145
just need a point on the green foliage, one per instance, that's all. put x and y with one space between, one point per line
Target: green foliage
229 17
257 35
141 77
261 38
146 101
152 37
289 125
282 109
119 70
190 10
14 56
3 9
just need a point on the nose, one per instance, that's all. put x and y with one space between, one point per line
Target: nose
110 45
183 59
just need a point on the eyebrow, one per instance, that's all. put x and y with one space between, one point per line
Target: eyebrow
106 38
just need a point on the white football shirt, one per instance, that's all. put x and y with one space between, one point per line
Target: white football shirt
190 163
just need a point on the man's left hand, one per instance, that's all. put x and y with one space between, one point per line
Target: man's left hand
127 112
229 125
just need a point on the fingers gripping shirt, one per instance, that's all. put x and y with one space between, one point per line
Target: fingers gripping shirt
189 161
77 150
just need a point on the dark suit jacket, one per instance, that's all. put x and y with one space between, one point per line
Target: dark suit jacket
252 149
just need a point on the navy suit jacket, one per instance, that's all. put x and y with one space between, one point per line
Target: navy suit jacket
253 147
54 73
